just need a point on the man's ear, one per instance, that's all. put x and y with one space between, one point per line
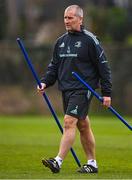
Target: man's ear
81 20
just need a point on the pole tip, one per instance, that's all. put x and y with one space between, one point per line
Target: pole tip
72 72
18 39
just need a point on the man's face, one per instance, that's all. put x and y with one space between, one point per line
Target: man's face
71 20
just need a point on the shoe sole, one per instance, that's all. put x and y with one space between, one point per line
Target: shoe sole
87 172
90 172
48 165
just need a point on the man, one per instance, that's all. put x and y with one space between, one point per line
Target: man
77 50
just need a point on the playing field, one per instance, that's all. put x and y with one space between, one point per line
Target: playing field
25 140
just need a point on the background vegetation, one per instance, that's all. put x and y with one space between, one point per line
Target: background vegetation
39 23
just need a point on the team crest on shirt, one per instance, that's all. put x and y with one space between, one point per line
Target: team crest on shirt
78 44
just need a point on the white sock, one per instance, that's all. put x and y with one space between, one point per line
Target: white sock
92 162
59 160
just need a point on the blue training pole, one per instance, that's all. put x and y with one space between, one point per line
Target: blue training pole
44 94
101 99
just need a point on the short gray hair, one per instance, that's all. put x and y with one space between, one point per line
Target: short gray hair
79 10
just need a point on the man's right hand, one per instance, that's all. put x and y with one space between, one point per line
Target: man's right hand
42 89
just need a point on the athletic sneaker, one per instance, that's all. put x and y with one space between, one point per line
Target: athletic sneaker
52 164
86 168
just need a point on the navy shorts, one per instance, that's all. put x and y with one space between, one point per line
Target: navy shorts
76 103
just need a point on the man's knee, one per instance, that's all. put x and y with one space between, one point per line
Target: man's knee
69 122
83 125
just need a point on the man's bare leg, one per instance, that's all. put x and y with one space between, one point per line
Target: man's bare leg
68 136
67 140
87 138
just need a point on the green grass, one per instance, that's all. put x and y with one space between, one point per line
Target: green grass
25 140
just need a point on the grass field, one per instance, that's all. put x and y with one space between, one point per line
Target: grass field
25 140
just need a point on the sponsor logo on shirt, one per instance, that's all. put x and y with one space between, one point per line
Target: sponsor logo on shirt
69 54
68 50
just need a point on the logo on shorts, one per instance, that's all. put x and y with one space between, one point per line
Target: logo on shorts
74 111
88 94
